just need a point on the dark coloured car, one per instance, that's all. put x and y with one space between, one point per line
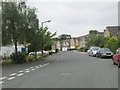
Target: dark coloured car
104 52
116 58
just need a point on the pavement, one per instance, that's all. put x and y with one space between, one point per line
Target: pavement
68 69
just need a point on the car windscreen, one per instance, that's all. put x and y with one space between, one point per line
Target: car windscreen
95 49
105 49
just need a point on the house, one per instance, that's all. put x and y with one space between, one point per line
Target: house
76 42
100 33
82 40
111 31
56 45
69 43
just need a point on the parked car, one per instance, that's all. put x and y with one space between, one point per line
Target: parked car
93 51
116 58
39 52
104 52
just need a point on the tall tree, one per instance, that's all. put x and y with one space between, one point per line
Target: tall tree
12 22
19 23
42 40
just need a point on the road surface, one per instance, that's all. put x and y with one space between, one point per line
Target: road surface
68 69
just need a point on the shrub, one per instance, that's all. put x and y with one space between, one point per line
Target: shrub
112 43
8 61
18 58
83 49
39 57
30 58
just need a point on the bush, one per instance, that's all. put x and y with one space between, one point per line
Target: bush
18 58
30 58
39 57
112 43
8 61
83 49
71 49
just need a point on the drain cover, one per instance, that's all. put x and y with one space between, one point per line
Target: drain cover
65 74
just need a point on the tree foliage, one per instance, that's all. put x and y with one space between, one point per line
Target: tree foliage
19 23
112 43
21 26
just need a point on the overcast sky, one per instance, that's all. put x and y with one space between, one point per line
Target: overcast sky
76 18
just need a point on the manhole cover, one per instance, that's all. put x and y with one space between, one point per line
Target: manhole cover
65 74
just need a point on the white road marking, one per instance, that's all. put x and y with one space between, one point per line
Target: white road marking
1 82
65 74
32 69
13 74
27 71
20 71
10 78
37 67
47 63
41 65
20 74
3 78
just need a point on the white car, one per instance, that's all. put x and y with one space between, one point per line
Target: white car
93 51
33 53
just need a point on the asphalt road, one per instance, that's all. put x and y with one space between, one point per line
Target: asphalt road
70 69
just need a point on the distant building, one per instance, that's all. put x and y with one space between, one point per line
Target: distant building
111 31
69 43
100 33
82 41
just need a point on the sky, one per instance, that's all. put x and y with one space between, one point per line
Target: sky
76 18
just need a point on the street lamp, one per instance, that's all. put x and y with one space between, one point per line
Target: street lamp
42 28
44 22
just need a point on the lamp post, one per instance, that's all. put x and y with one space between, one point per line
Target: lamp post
42 29
44 22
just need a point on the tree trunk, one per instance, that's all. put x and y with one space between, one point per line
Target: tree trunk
15 47
35 56
42 52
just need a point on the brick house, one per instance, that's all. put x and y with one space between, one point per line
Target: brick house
111 31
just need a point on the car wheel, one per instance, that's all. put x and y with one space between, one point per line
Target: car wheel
100 56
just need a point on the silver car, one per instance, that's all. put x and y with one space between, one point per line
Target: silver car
93 51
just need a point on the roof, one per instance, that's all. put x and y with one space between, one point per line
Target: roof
100 32
85 36
113 30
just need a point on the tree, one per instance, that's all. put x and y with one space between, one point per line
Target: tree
99 41
45 38
112 43
91 38
42 40
19 23
12 22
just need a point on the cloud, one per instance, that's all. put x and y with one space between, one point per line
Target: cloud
77 18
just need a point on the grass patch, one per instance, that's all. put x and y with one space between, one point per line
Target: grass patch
8 61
